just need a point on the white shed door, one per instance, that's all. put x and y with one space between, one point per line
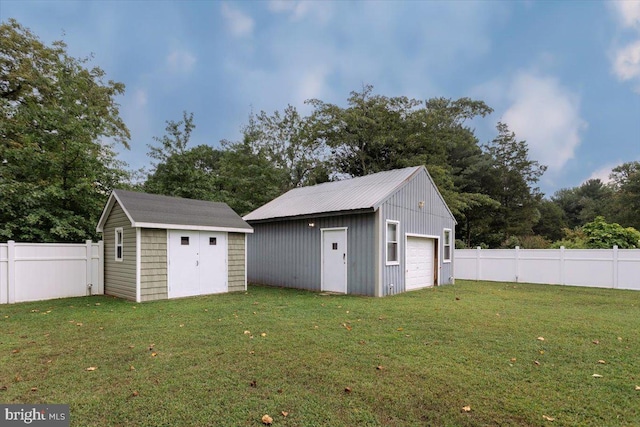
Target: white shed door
334 260
197 263
419 263
213 262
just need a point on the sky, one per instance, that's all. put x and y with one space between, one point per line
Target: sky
564 76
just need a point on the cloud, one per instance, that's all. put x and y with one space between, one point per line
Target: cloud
180 61
628 12
603 172
547 116
626 59
239 24
298 10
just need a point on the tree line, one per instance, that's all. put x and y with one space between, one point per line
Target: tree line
56 170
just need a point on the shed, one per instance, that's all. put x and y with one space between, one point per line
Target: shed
159 247
374 235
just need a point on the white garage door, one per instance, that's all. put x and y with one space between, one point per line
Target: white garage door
419 263
197 263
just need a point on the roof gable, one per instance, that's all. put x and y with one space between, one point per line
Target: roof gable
356 194
157 211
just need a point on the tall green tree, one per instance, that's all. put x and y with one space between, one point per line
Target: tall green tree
626 184
285 139
584 203
376 133
179 170
513 184
59 123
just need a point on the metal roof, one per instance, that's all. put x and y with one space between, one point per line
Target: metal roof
156 211
362 193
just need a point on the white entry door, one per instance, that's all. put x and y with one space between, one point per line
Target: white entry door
197 263
334 260
419 263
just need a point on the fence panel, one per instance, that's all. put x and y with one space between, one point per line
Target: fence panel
40 271
604 268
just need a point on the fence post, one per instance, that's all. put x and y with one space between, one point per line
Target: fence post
517 255
89 262
562 266
478 263
615 267
11 271
101 267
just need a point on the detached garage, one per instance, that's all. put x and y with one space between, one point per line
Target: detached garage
159 247
375 235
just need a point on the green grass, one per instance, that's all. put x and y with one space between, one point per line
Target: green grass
471 344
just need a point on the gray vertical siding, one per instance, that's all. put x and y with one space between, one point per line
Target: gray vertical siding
119 276
288 253
153 264
430 220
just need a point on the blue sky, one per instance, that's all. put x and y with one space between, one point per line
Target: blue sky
565 76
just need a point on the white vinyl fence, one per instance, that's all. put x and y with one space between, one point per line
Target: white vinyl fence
40 271
601 268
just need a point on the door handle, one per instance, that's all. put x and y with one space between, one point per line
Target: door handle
197 263
344 257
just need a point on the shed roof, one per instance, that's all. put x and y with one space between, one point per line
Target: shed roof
156 211
356 194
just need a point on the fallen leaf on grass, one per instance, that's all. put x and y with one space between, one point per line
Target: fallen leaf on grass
347 327
135 394
34 388
540 338
154 354
247 332
253 384
79 324
132 368
284 413
267 420
91 368
400 329
466 408
380 368
347 389
513 359
637 388
264 334
15 351
596 376
602 362
548 418
4 388
595 342
535 362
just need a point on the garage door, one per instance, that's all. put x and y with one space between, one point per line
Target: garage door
197 263
419 263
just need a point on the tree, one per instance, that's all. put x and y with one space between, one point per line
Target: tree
285 140
598 234
551 223
248 179
584 203
626 200
513 179
192 173
59 123
376 133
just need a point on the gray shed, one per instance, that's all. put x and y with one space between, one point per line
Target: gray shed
159 247
374 235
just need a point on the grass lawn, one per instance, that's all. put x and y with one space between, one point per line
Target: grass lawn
512 354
